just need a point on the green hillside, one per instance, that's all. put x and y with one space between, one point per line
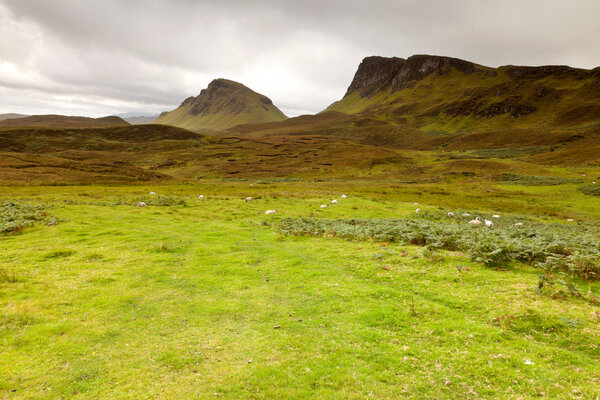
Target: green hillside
62 122
442 95
223 104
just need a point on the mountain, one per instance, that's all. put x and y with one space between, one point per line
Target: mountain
222 105
444 95
11 116
136 118
62 121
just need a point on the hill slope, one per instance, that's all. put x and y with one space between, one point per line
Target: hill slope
440 95
221 105
62 121
11 116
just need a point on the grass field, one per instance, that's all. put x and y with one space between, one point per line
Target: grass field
208 299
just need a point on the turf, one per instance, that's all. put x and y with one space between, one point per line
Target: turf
206 299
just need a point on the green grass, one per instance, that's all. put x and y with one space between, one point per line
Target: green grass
203 299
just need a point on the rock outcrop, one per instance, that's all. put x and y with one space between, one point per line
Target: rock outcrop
375 73
383 73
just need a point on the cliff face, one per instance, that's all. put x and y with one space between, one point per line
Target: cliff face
394 74
375 73
382 73
419 66
221 105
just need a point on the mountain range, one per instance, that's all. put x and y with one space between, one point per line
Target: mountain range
419 118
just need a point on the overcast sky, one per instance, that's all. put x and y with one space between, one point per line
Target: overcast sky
101 57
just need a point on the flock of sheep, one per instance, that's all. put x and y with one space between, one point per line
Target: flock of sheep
476 222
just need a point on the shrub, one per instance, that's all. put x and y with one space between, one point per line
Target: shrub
573 249
590 190
532 180
15 216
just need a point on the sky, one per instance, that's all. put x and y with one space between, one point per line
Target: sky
104 57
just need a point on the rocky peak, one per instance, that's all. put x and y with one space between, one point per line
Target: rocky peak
380 73
229 94
418 67
375 73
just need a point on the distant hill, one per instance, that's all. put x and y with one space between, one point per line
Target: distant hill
11 116
137 118
222 105
62 121
442 95
140 120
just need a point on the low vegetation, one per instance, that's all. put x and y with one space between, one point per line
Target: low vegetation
575 246
591 190
15 216
193 298
518 179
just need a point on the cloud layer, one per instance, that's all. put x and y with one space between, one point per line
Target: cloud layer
101 57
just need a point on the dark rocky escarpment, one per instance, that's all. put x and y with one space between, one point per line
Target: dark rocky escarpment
419 66
375 73
383 73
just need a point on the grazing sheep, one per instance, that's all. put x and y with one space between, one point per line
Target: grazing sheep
518 224
270 211
475 221
324 205
571 220
451 214
334 201
153 193
418 210
416 204
249 199
466 214
495 216
343 196
201 197
488 222
141 204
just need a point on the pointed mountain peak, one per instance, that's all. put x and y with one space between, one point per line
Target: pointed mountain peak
223 104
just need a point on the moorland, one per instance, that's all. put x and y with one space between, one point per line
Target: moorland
388 293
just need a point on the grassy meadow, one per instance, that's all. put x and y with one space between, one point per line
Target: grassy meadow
212 299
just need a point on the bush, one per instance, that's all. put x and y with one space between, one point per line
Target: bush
573 248
15 216
590 190
532 180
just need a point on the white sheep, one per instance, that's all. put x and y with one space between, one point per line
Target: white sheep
418 210
153 193
343 196
324 205
450 214
466 214
519 224
571 220
249 199
475 221
141 204
270 212
334 201
416 204
488 222
201 197
495 216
